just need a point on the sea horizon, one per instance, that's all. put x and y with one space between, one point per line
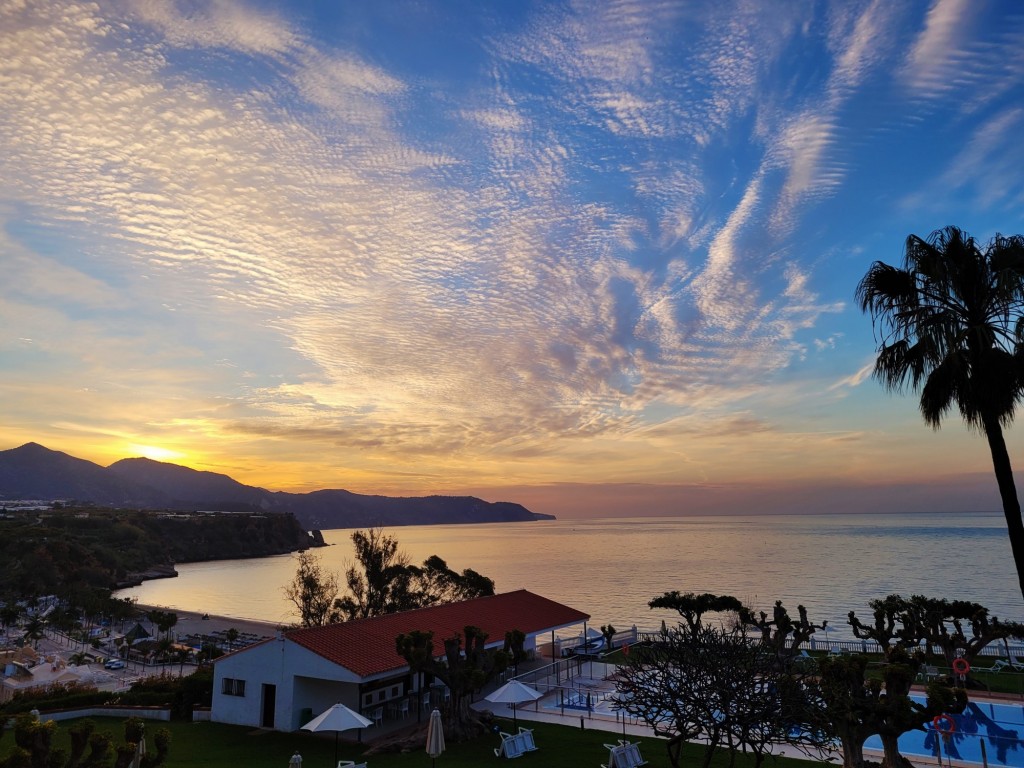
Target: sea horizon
611 567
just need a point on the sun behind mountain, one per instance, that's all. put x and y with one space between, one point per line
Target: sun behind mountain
155 452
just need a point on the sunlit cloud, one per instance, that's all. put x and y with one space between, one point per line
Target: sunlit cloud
582 227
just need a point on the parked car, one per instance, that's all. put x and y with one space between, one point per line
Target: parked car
114 664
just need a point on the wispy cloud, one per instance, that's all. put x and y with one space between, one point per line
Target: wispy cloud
286 235
932 58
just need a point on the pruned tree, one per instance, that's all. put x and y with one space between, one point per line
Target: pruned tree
937 623
80 730
515 641
463 668
855 706
312 591
608 633
716 684
692 607
780 633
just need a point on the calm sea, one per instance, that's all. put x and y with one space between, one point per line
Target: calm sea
611 567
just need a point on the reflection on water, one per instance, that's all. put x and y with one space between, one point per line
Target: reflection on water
610 568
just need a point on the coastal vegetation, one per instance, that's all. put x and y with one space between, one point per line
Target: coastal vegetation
950 322
740 691
382 580
77 556
51 551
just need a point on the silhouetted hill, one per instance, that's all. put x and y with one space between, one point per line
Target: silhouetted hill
189 486
35 472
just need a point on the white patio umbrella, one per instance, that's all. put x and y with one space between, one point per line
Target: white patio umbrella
435 736
513 692
337 718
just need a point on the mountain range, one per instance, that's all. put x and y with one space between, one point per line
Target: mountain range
33 471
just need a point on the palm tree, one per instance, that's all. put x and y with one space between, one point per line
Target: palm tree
950 323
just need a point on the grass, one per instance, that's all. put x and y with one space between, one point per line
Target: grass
214 745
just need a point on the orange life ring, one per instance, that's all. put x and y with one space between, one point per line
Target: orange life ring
939 720
961 666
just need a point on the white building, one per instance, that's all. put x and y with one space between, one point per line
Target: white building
280 683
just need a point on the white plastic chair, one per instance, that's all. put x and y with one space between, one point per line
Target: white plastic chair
526 734
511 746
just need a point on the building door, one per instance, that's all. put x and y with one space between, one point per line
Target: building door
269 705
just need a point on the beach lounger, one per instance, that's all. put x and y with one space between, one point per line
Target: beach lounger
511 745
526 734
633 755
624 755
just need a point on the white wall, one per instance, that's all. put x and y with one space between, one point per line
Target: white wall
302 680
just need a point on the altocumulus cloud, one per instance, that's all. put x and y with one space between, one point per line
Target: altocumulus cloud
546 247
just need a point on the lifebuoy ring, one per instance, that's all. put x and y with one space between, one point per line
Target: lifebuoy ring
961 666
944 720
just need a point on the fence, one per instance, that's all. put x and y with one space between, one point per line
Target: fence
993 650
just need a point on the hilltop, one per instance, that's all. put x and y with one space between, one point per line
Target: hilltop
33 471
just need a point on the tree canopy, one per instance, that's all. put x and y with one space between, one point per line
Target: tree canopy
950 323
958 628
464 668
382 580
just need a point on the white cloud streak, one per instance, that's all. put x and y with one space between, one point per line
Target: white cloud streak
545 250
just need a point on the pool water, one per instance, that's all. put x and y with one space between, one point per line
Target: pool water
998 729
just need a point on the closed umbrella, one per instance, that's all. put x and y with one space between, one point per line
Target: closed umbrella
435 736
140 753
337 718
513 692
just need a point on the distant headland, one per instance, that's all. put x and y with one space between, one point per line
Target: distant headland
32 472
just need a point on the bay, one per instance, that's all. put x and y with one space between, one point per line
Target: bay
611 567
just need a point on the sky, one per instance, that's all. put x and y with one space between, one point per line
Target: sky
594 257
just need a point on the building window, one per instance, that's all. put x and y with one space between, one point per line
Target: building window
233 687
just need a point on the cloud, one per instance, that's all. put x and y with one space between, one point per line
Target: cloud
855 380
226 24
592 229
930 63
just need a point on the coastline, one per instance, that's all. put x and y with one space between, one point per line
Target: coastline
194 623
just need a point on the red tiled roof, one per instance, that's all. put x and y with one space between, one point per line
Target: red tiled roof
367 646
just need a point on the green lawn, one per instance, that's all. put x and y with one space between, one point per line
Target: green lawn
212 745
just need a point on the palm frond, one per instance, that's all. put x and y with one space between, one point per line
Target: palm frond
942 388
950 322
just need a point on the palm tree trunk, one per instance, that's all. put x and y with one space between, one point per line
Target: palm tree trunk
1008 492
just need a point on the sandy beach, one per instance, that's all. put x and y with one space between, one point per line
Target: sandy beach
194 623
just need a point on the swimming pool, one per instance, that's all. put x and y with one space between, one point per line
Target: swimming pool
996 728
